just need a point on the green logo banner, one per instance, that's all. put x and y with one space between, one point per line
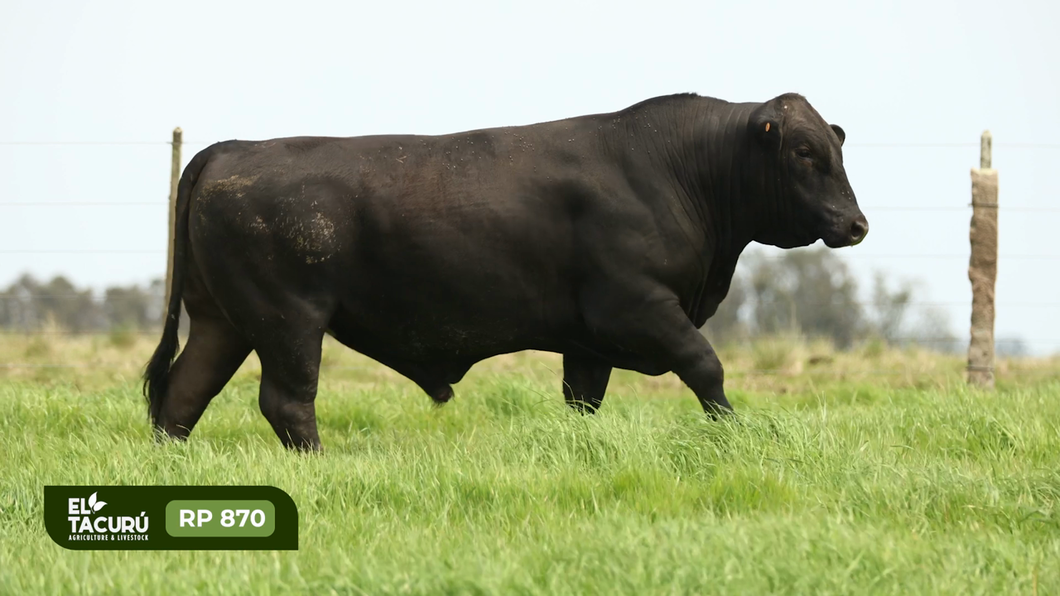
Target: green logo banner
171 517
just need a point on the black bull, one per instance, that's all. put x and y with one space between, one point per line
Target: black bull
608 238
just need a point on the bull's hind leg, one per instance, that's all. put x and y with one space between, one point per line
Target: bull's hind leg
584 382
290 365
213 354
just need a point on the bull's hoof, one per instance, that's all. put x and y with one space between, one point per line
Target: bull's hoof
583 407
162 436
718 412
441 396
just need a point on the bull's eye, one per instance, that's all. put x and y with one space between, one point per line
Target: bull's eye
804 153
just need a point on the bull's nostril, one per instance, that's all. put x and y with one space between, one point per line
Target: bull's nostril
858 230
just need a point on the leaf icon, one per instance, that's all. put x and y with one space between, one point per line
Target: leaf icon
95 505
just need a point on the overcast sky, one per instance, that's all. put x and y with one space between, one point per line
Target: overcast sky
912 83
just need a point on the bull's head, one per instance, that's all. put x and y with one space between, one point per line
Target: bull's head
806 182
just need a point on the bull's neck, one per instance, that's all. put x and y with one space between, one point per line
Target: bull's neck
701 148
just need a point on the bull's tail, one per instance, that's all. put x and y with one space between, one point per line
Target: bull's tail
156 374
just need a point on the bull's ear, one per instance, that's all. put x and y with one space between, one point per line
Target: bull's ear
839 133
765 126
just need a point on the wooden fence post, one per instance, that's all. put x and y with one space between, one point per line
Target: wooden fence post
174 179
982 267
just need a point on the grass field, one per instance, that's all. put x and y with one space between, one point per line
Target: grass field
874 471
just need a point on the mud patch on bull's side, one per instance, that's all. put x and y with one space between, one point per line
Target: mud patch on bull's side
313 238
258 226
235 186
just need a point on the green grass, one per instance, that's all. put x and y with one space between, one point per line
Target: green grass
826 483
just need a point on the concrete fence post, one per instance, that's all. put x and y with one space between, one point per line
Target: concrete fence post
982 267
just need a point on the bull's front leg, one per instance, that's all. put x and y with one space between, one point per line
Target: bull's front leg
659 330
696 363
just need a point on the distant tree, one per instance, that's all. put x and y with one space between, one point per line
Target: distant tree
932 330
727 325
72 308
17 307
127 307
899 320
810 292
889 309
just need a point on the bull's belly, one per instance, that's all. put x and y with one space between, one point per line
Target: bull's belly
450 347
430 336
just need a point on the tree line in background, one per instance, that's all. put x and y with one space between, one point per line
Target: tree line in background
807 293
30 305
812 294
